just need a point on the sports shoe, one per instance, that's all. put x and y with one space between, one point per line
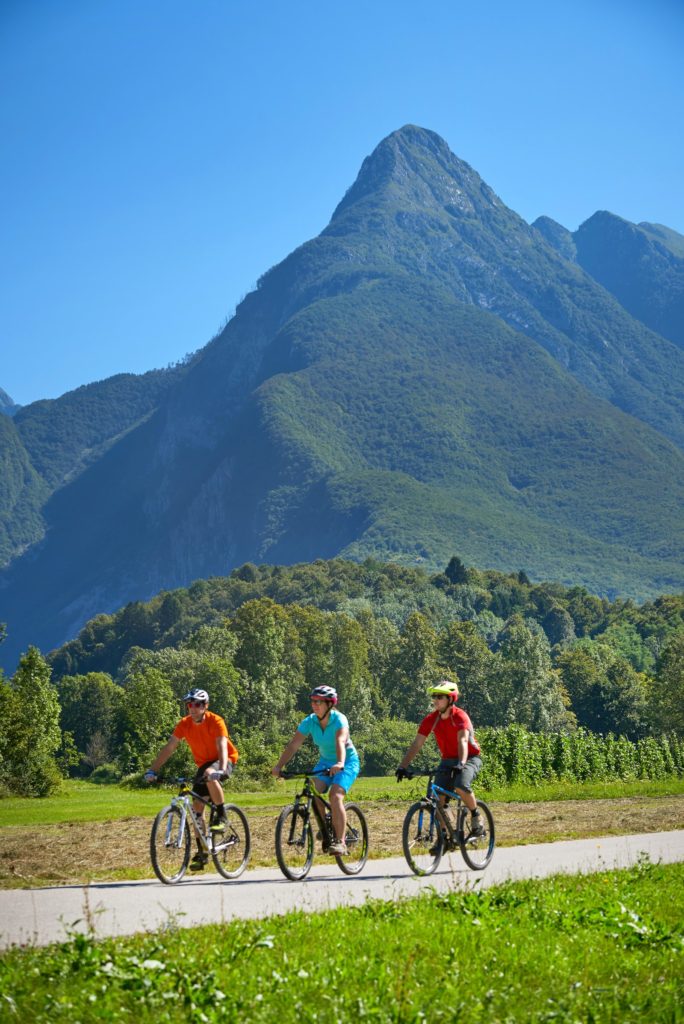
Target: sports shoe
199 862
338 848
476 826
219 823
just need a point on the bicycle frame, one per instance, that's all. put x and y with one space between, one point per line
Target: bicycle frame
183 802
455 832
311 795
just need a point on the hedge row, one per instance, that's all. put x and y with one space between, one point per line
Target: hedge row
513 755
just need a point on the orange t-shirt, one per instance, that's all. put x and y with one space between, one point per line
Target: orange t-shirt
201 738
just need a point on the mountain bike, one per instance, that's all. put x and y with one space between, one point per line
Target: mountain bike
430 830
171 838
294 835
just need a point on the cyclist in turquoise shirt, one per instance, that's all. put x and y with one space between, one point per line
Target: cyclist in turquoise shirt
329 729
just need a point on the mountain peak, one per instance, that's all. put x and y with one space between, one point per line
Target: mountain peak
556 235
414 165
7 406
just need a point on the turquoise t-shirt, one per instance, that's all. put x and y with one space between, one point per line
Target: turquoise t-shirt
325 738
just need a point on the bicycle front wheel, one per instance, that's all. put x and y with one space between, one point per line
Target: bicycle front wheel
231 848
478 850
423 837
356 840
170 845
294 842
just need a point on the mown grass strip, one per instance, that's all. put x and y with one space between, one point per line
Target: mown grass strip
85 801
605 947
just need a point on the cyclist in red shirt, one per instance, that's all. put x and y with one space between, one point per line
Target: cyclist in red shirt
460 751
214 754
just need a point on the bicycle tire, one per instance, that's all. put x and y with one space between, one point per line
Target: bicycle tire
294 842
356 839
170 843
231 848
422 837
477 851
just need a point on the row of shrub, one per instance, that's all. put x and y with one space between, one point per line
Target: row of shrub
514 755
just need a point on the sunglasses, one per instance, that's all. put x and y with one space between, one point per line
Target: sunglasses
194 703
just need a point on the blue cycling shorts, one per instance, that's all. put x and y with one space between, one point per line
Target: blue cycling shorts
345 778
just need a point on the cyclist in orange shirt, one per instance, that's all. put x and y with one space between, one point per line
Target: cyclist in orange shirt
214 754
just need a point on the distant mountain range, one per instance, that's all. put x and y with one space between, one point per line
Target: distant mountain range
431 375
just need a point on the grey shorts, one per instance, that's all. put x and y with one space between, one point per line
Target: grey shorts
448 778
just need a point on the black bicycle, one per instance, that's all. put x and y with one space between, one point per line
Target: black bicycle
294 834
430 830
171 839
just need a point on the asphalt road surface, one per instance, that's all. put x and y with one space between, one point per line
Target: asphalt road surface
40 916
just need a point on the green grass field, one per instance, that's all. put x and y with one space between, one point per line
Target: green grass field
85 801
599 948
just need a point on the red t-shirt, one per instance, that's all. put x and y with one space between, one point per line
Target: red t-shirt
201 737
446 732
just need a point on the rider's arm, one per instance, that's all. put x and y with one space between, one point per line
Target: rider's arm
412 750
463 745
222 747
341 737
289 752
164 754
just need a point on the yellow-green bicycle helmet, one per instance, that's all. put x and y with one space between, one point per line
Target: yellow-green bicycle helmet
444 688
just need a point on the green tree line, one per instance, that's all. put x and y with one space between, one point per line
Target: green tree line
260 660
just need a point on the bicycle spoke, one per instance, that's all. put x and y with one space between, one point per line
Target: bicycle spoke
422 838
294 842
170 845
231 848
356 839
478 850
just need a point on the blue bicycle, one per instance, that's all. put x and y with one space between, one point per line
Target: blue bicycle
430 830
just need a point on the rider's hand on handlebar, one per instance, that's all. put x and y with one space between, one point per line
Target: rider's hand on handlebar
277 772
402 773
150 776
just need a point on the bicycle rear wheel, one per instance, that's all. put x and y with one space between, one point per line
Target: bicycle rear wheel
478 850
294 843
170 845
423 837
356 840
231 848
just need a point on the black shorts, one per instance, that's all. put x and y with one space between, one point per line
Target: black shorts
198 784
449 778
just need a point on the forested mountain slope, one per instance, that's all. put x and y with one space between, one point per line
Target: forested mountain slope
641 264
427 375
53 440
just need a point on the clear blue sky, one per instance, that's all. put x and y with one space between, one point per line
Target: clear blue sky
160 155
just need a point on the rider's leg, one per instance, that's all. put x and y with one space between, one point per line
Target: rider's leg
320 806
339 813
468 798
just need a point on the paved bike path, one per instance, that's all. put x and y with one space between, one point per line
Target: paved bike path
40 916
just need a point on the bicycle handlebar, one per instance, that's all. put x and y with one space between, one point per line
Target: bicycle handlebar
304 774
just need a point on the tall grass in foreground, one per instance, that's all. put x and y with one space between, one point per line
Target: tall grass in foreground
605 947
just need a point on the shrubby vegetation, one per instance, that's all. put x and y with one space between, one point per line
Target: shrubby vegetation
560 684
